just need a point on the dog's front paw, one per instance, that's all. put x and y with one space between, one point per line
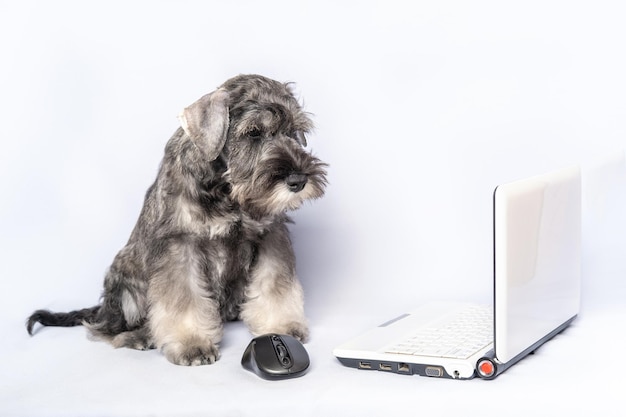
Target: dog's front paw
299 331
191 355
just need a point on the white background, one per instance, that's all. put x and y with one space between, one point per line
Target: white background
421 109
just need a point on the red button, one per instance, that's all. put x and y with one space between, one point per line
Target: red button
486 368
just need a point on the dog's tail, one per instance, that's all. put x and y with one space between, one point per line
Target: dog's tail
72 318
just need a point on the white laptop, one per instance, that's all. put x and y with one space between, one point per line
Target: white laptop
536 294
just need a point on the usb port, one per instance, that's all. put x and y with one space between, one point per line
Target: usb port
365 365
384 367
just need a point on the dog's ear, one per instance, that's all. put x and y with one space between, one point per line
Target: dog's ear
206 122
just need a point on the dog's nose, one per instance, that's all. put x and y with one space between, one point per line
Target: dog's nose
296 182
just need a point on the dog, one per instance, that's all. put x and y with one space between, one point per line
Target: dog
211 243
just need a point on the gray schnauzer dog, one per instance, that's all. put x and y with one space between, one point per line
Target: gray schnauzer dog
211 243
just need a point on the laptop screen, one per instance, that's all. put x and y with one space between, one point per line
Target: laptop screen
537 252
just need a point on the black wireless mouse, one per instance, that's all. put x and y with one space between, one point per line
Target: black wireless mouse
276 356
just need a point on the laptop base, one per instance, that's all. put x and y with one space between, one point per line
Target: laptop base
401 368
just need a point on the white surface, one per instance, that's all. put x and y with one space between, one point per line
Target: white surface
413 103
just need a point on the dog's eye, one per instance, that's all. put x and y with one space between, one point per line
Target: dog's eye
255 133
299 137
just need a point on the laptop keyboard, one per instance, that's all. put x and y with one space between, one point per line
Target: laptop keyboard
458 336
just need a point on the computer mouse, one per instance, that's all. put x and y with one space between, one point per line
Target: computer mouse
276 356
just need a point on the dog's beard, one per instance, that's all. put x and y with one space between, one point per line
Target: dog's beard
276 198
281 198
264 191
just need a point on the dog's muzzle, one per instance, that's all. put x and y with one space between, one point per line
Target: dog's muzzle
296 182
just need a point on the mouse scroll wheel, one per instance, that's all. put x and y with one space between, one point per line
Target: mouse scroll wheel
283 356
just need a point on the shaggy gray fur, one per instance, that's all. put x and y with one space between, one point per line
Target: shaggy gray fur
211 243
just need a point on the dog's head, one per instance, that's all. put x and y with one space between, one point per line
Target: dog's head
257 127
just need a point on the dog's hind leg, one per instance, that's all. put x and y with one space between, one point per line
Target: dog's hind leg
184 318
124 304
139 339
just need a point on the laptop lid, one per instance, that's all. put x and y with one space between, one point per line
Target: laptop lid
537 259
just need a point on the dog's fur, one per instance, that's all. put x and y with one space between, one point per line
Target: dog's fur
211 243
